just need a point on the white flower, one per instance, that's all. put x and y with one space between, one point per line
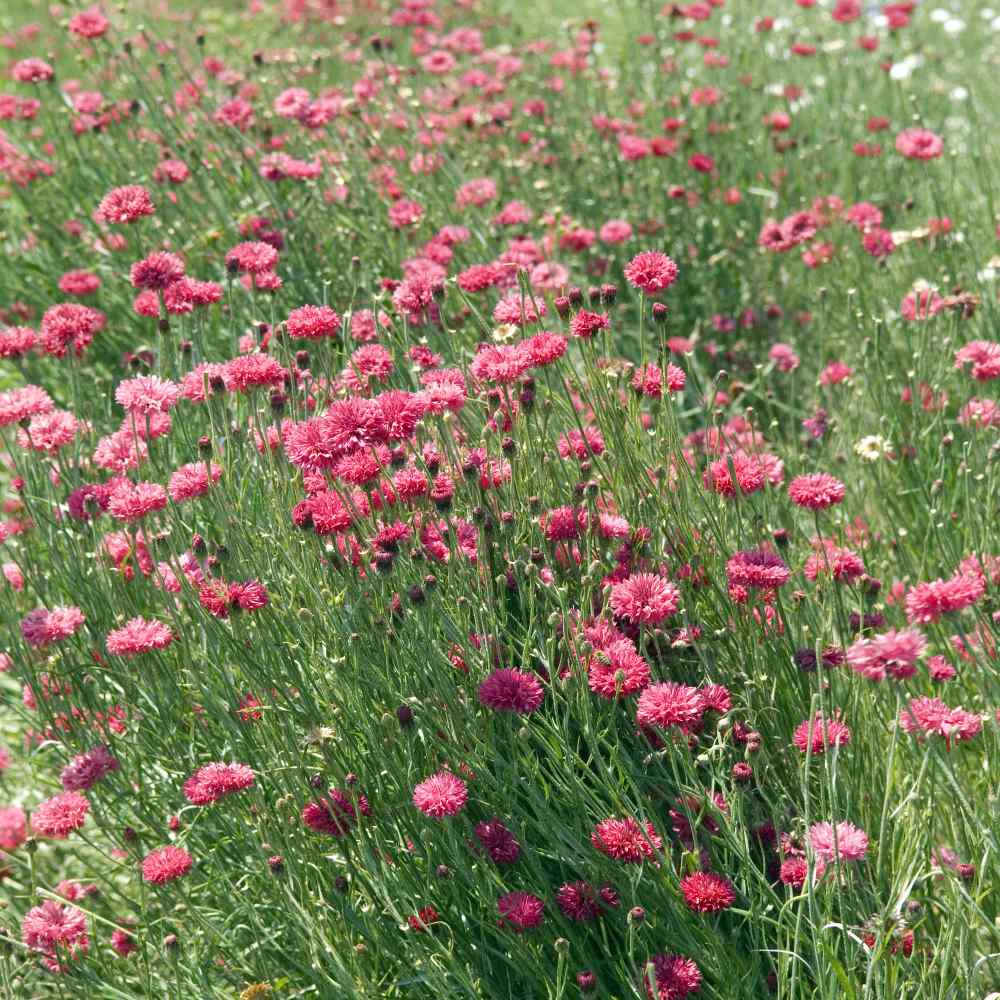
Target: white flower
872 448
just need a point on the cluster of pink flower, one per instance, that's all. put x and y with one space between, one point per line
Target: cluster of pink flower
532 566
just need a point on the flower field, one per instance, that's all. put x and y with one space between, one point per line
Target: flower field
500 500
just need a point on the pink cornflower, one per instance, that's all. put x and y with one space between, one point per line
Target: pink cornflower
79 282
615 231
586 323
582 902
193 480
86 769
248 595
842 564
520 911
498 841
626 840
919 144
157 271
42 627
252 371
13 828
336 813
139 636
581 445
32 70
503 364
21 404
125 204
122 942
312 322
89 23
751 474
166 864
405 213
706 892
617 670
131 501
924 717
479 277
16 341
927 602
668 704
442 794
894 653
757 568
835 373
543 348
816 491
147 394
56 931
645 597
48 432
844 841
651 272
59 816
816 734
252 258
215 781
511 691
670 977
980 413
983 355
921 305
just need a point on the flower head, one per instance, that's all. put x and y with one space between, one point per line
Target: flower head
651 272
706 892
215 781
645 597
816 491
670 977
59 816
842 840
125 204
520 911
626 840
166 864
442 794
511 691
